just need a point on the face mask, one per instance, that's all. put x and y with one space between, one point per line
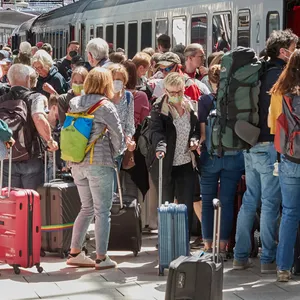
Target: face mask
175 99
118 86
73 53
77 88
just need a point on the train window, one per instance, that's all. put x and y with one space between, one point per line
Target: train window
221 31
273 22
99 32
179 31
109 34
57 45
91 32
199 31
120 36
244 26
146 35
132 39
161 27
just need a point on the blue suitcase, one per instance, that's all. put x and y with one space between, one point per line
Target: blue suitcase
173 235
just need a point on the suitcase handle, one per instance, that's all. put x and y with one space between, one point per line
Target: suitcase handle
9 150
160 178
217 226
46 166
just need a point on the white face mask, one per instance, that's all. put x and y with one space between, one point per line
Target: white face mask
118 86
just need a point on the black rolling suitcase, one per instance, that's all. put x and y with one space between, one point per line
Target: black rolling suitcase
60 205
296 265
126 223
197 277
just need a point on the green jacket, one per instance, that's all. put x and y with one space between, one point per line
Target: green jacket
5 132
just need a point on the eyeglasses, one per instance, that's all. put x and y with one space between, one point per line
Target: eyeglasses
175 93
167 69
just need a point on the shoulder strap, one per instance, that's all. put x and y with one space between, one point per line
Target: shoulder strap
127 94
96 106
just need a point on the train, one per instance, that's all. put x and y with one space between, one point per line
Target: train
9 20
136 24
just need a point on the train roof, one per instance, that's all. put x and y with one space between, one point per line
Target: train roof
14 17
24 26
96 4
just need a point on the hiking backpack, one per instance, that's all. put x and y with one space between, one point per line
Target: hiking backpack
287 135
237 101
75 135
15 110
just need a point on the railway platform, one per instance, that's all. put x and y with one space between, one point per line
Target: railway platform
135 279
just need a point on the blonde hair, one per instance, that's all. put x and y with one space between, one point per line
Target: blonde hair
192 49
82 71
119 69
43 58
214 74
174 79
99 81
142 59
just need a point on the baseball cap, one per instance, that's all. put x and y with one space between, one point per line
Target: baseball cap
77 60
4 54
167 59
39 44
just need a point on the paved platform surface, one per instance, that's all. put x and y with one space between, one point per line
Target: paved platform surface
135 279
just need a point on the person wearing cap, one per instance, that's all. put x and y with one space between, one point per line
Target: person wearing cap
5 64
168 63
77 61
174 135
39 45
64 64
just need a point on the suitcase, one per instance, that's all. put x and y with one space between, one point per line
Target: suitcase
60 205
20 226
126 223
173 235
296 264
197 277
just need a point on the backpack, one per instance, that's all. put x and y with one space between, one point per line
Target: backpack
287 135
15 110
235 127
75 135
144 143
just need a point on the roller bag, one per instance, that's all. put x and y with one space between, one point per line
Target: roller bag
173 235
296 265
60 205
20 226
197 277
126 223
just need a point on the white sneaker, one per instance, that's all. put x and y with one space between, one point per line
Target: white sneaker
107 263
81 260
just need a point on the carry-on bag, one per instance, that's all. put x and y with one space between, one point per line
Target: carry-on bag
296 264
173 235
60 206
198 278
20 225
126 223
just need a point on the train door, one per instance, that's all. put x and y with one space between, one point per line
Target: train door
292 16
72 33
82 36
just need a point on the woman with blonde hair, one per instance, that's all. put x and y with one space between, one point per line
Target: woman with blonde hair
174 135
94 179
288 84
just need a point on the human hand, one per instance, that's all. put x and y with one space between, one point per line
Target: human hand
48 88
160 154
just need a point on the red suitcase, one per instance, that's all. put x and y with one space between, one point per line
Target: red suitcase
20 227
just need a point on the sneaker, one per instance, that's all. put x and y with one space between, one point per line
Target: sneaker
283 276
106 263
81 260
197 243
241 265
270 268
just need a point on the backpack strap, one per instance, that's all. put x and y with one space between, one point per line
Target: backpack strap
91 146
127 94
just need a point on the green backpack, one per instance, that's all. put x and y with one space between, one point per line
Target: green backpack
75 135
235 128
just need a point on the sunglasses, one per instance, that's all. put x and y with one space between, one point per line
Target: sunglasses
168 69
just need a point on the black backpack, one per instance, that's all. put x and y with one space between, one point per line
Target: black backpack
143 143
15 110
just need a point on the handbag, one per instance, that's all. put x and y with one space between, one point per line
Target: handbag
128 160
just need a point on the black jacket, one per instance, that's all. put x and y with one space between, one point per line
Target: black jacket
163 135
55 79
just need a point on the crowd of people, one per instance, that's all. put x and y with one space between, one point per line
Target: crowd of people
177 89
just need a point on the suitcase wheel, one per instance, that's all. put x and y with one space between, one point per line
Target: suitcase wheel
40 269
135 253
17 270
161 271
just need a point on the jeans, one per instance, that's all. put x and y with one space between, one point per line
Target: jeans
227 169
95 187
262 186
25 174
289 177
